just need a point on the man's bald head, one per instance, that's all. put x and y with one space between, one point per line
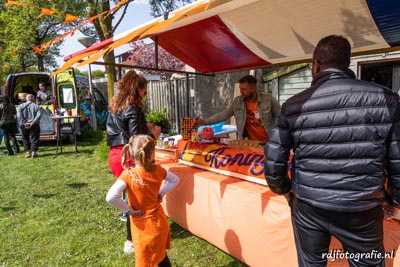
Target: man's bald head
29 97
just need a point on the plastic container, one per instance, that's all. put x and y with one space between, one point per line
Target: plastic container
160 141
216 127
207 135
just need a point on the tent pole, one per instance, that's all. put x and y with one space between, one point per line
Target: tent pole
156 52
153 69
177 113
92 101
187 95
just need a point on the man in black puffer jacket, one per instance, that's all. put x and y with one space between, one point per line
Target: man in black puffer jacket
345 135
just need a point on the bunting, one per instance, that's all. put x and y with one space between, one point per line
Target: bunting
46 12
15 3
141 32
68 19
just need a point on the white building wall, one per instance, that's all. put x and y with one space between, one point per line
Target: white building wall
299 80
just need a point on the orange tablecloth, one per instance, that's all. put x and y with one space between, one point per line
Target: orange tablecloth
244 219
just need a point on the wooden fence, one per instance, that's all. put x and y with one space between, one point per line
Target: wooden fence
176 96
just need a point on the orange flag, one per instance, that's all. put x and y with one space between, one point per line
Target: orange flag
37 50
70 18
46 12
15 3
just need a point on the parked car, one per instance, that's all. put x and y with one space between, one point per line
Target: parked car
63 90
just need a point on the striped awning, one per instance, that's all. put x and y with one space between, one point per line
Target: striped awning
222 35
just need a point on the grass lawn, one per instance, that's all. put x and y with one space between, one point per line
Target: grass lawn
53 213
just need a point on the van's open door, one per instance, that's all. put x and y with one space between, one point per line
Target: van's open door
66 93
65 87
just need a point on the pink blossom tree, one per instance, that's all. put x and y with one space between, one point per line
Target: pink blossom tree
143 55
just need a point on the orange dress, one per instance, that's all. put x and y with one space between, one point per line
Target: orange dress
150 232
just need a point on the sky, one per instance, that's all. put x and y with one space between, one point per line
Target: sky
138 13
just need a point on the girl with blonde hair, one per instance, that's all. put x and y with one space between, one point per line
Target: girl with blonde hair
149 226
126 118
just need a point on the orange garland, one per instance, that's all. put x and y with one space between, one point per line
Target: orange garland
68 19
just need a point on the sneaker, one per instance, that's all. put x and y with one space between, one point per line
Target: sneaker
27 154
128 247
34 155
124 217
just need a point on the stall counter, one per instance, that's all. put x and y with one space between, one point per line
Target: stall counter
244 219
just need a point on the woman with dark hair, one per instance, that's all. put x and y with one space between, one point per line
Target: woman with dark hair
126 118
8 124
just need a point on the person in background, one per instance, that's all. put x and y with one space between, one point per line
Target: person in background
28 116
8 124
1 139
126 118
43 95
255 113
150 228
345 135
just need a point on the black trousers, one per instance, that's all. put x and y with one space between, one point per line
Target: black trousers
128 229
361 235
165 262
30 137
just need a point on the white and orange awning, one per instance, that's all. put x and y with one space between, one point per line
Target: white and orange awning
222 35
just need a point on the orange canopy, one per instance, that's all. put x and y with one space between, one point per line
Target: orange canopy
222 35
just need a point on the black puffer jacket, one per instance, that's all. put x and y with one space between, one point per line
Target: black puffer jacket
345 136
122 126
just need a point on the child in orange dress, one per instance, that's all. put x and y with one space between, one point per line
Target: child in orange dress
149 226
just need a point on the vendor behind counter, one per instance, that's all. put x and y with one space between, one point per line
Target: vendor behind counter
255 113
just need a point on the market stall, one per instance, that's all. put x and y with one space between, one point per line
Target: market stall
241 217
216 199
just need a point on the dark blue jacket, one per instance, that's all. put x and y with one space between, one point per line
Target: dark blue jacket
345 135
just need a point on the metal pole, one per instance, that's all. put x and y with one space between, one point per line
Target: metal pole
92 106
187 95
177 107
176 94
156 52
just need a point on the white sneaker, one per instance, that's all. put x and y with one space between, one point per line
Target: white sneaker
128 247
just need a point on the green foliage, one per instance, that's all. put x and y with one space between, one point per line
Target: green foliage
171 133
53 213
98 74
95 73
157 116
22 29
77 71
161 7
160 118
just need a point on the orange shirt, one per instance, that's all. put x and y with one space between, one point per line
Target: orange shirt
254 128
150 232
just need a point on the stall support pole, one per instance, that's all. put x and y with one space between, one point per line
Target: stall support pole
187 95
177 113
92 107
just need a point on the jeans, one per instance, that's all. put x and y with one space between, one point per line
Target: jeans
9 131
